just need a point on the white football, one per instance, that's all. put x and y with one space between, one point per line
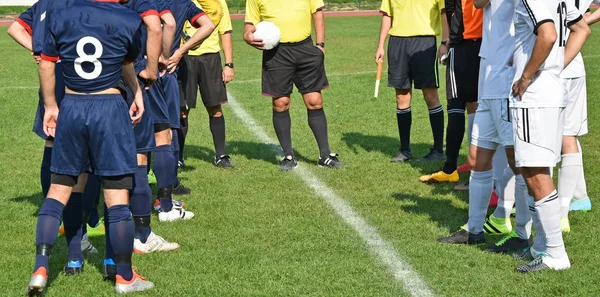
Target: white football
269 33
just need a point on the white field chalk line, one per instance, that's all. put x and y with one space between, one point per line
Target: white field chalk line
328 75
400 269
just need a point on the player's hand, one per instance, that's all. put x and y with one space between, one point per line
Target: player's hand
255 42
148 78
50 119
162 65
174 61
36 58
443 50
379 54
520 86
321 48
227 74
136 110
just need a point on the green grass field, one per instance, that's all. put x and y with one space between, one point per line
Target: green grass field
261 232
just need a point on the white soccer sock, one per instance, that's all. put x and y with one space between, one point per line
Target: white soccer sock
481 184
548 210
581 188
568 175
539 242
506 194
499 164
523 219
470 120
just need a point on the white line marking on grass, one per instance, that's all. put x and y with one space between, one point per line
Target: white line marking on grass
385 252
328 75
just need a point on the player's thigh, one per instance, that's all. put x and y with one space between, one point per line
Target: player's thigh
466 70
212 87
576 123
111 139
423 62
157 104
538 136
484 132
70 148
171 90
310 68
500 111
278 70
144 131
399 72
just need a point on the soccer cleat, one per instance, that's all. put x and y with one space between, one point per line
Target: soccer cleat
73 268
510 242
180 189
544 262
223 161
464 168
174 215
110 270
402 156
97 230
584 204
37 283
154 243
288 163
330 161
463 236
432 156
527 254
462 187
136 284
440 177
493 199
496 226
180 164
151 178
87 246
565 227
176 204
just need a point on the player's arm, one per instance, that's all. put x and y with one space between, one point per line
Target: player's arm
136 110
319 23
21 34
479 3
252 18
445 35
592 17
384 30
168 36
153 48
580 31
206 27
227 44
450 4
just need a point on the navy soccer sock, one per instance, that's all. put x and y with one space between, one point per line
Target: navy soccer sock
46 231
175 145
140 203
121 238
72 220
109 253
165 173
45 170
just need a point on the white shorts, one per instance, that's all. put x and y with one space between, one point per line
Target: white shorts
492 126
576 110
538 135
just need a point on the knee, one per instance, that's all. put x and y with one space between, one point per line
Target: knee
281 104
214 111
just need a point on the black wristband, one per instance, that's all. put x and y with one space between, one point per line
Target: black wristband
230 65
321 44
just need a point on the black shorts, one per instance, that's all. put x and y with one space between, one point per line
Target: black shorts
301 64
204 72
412 59
462 72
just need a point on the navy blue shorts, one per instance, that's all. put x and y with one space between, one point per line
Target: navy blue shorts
38 122
157 104
171 87
144 131
94 131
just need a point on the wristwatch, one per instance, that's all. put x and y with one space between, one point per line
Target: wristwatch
321 44
444 42
230 65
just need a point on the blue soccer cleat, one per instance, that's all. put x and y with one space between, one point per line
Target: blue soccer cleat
584 204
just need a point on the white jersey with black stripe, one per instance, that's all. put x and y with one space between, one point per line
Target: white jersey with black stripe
547 89
576 68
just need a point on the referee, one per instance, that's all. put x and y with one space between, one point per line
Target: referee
413 27
205 72
295 61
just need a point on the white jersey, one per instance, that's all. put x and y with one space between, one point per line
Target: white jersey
497 47
576 68
546 90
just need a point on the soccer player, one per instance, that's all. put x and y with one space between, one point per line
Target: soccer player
492 127
538 98
204 70
465 21
413 27
295 61
94 126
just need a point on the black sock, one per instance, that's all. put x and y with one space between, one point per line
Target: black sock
217 128
318 124
283 128
181 134
45 170
436 119
454 137
404 122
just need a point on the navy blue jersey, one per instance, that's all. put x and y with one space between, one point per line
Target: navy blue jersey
163 7
183 10
92 39
34 20
143 7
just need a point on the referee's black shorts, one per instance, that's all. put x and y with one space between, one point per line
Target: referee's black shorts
203 72
462 71
412 59
301 64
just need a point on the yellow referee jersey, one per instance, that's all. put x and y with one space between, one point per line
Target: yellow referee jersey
414 17
211 44
293 17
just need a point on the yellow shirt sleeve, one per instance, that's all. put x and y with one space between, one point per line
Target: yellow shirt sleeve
315 5
252 12
441 4
225 24
386 7
213 9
